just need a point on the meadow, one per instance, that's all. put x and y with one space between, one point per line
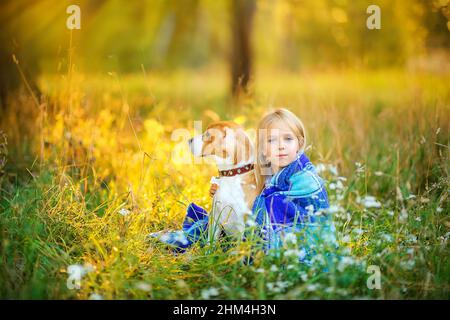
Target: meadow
90 172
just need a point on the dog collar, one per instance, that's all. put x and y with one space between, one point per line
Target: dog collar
236 171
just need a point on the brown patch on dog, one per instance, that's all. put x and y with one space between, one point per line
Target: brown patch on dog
214 141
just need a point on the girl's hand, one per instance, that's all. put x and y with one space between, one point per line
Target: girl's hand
213 189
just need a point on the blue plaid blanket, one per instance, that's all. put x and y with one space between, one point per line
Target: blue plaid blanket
291 207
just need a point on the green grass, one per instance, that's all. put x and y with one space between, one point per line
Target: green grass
64 209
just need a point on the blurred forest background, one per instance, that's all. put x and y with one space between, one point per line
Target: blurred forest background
86 130
294 35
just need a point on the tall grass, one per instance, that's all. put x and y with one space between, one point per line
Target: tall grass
89 176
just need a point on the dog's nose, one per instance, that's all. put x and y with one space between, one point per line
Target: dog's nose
190 141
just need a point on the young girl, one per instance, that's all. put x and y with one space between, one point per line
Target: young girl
292 197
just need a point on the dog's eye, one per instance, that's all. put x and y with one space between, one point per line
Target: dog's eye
206 136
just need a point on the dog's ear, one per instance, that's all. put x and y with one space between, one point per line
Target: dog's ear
214 117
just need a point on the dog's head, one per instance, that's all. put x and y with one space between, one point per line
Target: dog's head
225 141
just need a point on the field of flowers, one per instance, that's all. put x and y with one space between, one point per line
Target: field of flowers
90 168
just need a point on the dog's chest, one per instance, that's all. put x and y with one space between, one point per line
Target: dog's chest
230 205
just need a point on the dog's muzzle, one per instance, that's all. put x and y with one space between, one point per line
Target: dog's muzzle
195 146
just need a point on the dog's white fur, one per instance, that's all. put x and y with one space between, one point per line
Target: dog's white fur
234 197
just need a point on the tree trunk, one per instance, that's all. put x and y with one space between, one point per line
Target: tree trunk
242 12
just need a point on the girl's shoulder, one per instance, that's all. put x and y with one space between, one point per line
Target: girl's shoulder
305 178
306 181
297 173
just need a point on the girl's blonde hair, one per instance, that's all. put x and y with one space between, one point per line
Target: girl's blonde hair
263 167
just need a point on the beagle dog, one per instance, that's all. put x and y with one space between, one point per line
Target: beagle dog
230 147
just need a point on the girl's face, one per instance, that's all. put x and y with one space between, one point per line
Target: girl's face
281 145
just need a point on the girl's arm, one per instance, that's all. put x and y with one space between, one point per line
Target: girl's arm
214 186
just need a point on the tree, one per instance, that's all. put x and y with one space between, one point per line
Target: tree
242 12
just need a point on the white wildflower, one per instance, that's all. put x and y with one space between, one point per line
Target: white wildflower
318 213
386 237
333 170
345 262
310 208
302 254
291 253
143 286
290 238
370 202
271 286
320 167
339 185
446 236
282 284
412 239
295 253
312 287
403 215
329 290
250 222
329 238
75 271
359 167
408 265
208 293
334 209
124 212
95 296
